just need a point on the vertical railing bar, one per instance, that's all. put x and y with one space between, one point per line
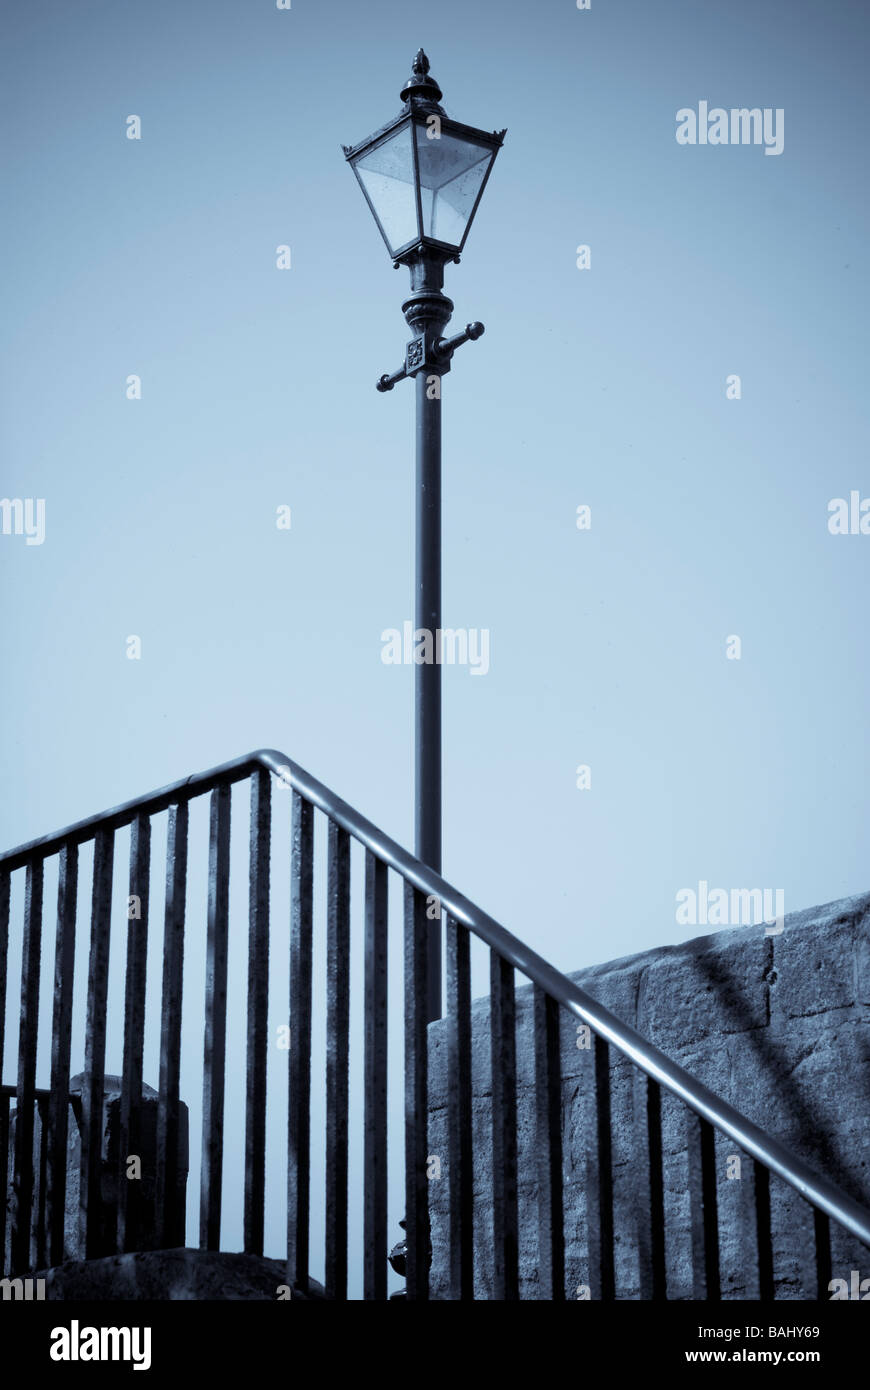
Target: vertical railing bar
822 1236
90 1187
416 1093
599 1180
215 1033
4 966
22 1183
299 1100
4 1169
504 1130
4 1100
40 1212
258 1011
170 1213
764 1239
375 1082
548 1107
130 1133
61 1024
649 1188
459 1133
337 1044
701 1141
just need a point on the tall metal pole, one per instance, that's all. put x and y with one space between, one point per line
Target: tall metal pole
427 312
427 677
428 357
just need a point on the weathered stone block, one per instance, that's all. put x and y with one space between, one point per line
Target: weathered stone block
815 967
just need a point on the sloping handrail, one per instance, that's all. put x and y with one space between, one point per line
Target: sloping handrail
819 1191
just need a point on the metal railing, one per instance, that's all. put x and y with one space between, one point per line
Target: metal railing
552 991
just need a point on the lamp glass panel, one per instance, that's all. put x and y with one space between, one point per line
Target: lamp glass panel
452 171
387 175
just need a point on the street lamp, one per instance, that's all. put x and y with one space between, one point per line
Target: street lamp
423 175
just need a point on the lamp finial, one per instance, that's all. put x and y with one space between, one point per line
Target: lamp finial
420 87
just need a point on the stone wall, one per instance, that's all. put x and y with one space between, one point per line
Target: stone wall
145 1190
176 1275
778 1025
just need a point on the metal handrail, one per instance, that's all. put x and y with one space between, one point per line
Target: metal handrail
824 1195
